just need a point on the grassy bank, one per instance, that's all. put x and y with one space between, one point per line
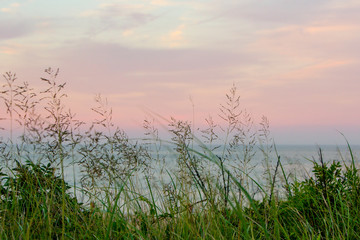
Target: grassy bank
126 189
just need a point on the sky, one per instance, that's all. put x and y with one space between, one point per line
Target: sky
296 62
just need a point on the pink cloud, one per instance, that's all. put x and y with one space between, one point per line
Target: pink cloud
296 62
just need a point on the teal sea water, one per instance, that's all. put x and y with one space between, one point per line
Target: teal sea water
296 159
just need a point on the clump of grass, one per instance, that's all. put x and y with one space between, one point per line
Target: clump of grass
32 204
208 193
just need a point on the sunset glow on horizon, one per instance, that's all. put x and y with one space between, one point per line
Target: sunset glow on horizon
296 62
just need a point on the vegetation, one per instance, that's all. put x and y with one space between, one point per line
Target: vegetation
65 179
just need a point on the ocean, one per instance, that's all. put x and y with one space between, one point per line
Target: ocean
297 161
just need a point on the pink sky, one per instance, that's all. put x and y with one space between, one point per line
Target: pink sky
297 62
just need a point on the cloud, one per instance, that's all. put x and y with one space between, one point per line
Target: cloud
127 95
175 38
113 17
10 28
5 10
271 15
269 12
11 8
160 2
127 33
293 60
158 78
160 63
8 50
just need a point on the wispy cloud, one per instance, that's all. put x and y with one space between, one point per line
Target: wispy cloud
10 8
8 50
160 2
118 17
13 28
175 38
289 58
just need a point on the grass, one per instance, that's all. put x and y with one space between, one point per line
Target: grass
126 189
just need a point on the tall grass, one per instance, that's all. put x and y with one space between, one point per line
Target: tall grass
129 189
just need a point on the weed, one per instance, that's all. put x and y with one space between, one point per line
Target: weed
210 194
